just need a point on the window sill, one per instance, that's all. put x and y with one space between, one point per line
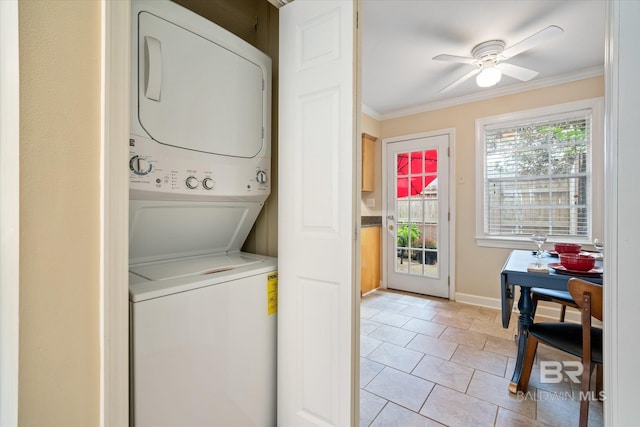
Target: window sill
526 243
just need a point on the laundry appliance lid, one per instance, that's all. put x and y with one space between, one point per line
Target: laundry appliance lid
201 265
166 230
158 279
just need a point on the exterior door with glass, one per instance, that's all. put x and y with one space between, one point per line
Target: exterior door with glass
417 214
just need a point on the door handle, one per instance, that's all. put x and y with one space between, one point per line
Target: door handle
153 59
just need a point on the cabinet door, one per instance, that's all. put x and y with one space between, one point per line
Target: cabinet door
368 162
370 259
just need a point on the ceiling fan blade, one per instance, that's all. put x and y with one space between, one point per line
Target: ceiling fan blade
454 58
516 71
532 41
461 80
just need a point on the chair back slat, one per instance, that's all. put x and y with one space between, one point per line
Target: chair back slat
578 288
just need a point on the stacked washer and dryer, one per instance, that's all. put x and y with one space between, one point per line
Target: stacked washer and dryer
203 313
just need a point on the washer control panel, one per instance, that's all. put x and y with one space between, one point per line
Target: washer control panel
158 168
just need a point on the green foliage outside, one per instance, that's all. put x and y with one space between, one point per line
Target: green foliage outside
538 150
407 233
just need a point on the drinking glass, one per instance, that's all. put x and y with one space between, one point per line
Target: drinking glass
598 244
539 238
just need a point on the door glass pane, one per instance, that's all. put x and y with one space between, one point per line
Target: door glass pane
431 161
402 187
417 165
417 212
402 164
416 185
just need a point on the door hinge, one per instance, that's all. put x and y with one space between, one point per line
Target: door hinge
448 216
448 152
448 280
357 19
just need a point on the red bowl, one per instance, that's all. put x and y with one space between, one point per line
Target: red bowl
577 262
567 248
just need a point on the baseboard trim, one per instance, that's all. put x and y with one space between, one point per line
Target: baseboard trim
545 310
479 300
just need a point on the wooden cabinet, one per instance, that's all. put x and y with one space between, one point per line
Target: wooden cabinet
369 259
368 162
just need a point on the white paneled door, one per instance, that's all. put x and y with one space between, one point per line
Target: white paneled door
417 250
316 215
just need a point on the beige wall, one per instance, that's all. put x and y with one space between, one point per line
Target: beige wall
59 205
478 268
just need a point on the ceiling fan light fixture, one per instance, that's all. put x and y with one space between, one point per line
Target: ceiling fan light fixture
489 76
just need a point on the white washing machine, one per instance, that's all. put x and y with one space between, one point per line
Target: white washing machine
203 347
203 313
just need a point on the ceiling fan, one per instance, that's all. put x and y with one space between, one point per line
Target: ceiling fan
488 59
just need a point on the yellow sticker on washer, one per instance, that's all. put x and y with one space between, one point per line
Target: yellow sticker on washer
272 293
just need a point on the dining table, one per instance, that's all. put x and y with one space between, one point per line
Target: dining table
516 272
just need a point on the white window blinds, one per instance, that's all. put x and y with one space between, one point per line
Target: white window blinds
537 176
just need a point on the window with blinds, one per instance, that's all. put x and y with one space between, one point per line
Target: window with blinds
537 175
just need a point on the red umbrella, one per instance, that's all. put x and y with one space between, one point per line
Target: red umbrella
413 176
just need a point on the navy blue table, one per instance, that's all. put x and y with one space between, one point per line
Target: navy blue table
514 273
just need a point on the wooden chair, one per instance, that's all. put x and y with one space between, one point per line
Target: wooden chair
559 297
581 340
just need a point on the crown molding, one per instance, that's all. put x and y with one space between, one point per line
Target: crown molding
371 112
586 73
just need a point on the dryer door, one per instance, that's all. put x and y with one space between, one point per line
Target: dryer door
193 93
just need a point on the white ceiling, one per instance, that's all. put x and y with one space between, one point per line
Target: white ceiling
400 38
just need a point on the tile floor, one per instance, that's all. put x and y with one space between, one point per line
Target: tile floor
432 362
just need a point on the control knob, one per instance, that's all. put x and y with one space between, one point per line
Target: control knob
192 182
261 177
139 165
208 183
